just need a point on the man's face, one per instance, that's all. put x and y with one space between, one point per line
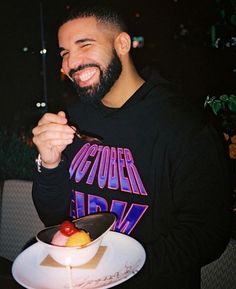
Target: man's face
89 58
108 77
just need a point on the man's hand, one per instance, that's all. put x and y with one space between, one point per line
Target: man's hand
51 136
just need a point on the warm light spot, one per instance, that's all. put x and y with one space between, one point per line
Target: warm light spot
68 261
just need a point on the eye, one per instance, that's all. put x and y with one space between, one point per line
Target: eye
86 45
63 53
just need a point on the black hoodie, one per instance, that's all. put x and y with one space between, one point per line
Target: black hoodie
160 168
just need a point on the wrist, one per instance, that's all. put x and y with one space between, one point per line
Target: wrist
42 164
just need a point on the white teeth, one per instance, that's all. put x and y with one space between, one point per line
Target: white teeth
86 75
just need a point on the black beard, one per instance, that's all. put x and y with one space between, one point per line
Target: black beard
95 93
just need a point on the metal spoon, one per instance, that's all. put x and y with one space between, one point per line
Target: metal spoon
85 137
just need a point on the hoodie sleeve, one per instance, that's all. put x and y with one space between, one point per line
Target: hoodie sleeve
51 194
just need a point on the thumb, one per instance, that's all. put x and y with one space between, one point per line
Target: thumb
61 114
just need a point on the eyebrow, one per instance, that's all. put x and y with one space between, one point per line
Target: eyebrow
79 41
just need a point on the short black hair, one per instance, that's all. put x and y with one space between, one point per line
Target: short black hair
104 11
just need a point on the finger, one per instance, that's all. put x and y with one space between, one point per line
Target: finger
52 118
45 134
48 136
59 142
57 130
48 143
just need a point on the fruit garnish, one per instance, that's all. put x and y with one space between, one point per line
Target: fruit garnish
67 228
80 238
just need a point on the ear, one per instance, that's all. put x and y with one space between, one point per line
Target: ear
122 43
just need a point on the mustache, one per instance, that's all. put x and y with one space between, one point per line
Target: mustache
81 67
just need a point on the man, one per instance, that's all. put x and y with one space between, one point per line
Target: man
159 167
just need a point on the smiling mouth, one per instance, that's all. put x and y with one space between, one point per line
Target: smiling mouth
86 76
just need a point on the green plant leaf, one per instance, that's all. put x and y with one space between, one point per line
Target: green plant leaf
232 103
224 97
216 106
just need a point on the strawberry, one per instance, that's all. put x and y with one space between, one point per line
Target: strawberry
67 228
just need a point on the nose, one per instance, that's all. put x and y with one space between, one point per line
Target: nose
72 61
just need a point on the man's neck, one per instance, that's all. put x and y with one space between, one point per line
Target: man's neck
123 89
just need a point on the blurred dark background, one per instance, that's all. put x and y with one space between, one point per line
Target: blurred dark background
191 43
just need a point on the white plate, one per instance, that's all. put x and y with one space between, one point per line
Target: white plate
122 258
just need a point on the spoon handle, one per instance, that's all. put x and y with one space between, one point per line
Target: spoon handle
85 137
